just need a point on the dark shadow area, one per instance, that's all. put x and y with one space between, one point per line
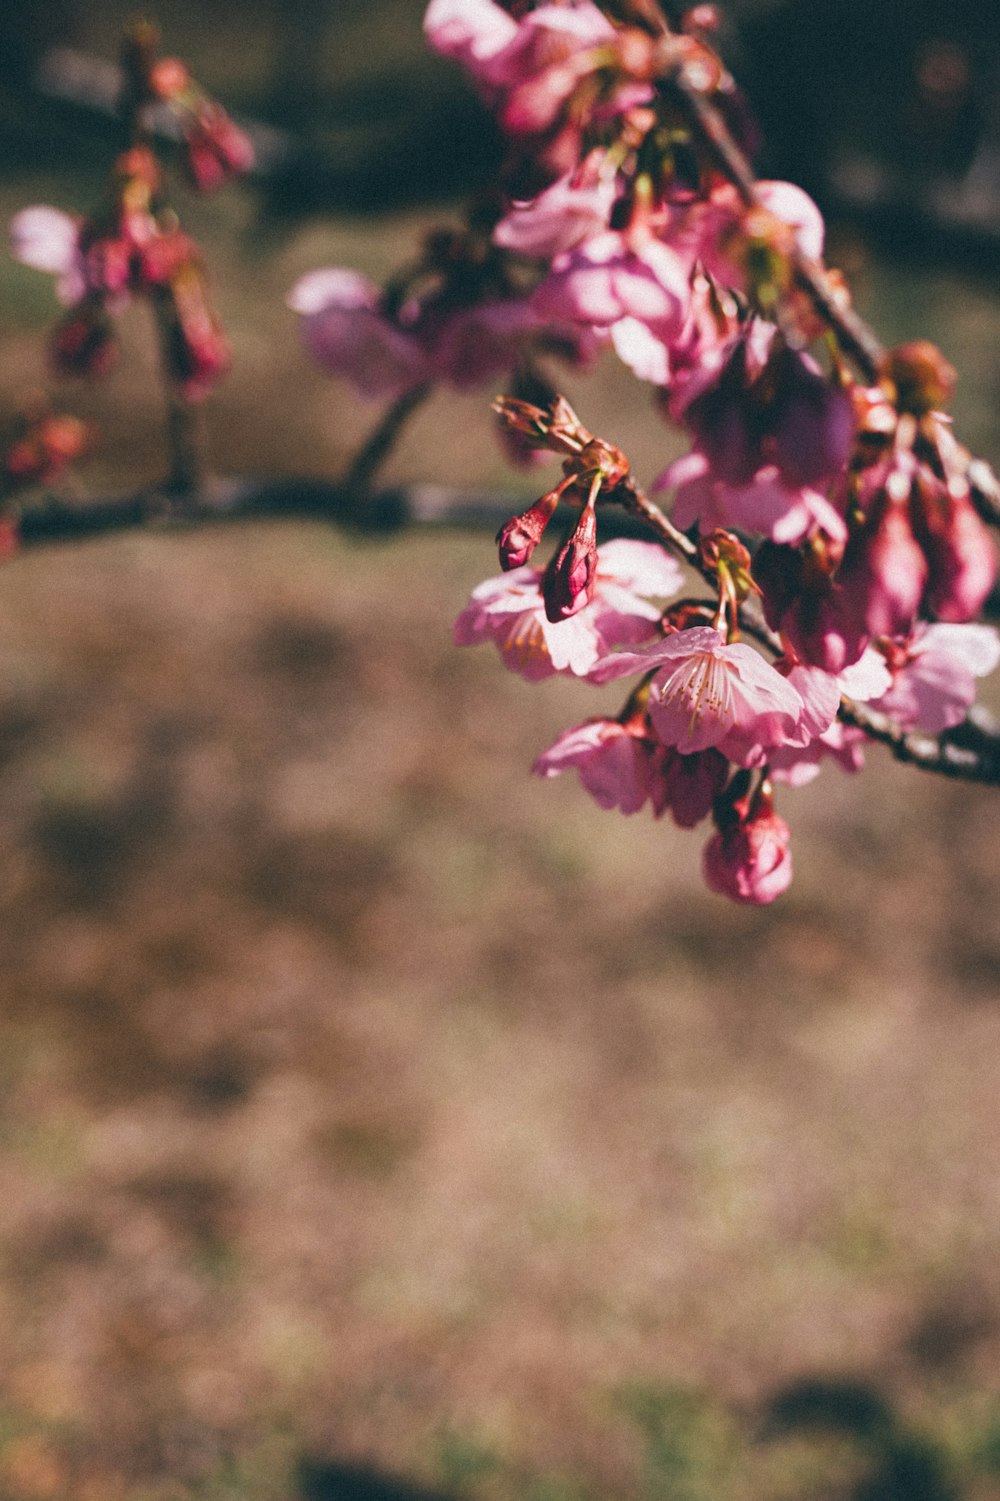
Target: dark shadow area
329 1481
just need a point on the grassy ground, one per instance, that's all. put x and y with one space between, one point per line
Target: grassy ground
364 1102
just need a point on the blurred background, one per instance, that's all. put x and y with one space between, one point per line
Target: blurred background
377 1122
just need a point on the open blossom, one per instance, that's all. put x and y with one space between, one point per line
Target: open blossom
615 764
933 674
472 33
820 733
49 240
707 693
573 209
510 611
764 504
616 275
345 330
715 230
624 766
526 69
783 412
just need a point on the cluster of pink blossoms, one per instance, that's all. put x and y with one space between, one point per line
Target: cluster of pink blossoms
834 496
132 245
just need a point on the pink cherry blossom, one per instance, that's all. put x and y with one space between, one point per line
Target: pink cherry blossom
346 332
510 611
823 624
749 859
820 734
472 33
765 504
468 345
786 413
797 765
615 765
933 675
709 229
687 786
615 276
49 240
961 558
707 693
568 212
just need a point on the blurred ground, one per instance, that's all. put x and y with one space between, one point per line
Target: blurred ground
368 1109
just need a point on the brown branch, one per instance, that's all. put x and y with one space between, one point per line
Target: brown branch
978 760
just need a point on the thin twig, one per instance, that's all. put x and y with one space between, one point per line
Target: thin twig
380 443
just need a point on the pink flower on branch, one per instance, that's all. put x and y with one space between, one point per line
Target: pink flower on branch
49 240
617 275
344 329
932 676
510 611
764 504
707 693
749 859
574 209
623 765
616 764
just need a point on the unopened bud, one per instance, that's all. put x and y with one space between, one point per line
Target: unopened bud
919 376
83 342
569 581
168 77
519 537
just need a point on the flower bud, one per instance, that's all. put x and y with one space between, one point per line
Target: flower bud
689 785
569 580
748 859
168 77
519 537
83 342
216 148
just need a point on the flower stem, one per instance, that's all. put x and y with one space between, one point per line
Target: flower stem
382 440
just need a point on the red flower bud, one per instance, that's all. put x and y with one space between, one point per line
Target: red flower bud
83 343
520 536
569 581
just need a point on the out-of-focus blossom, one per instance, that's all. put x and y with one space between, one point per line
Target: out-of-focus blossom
784 413
215 147
345 330
575 208
933 674
764 504
48 240
615 276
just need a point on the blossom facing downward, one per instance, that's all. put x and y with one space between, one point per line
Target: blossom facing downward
749 858
615 765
